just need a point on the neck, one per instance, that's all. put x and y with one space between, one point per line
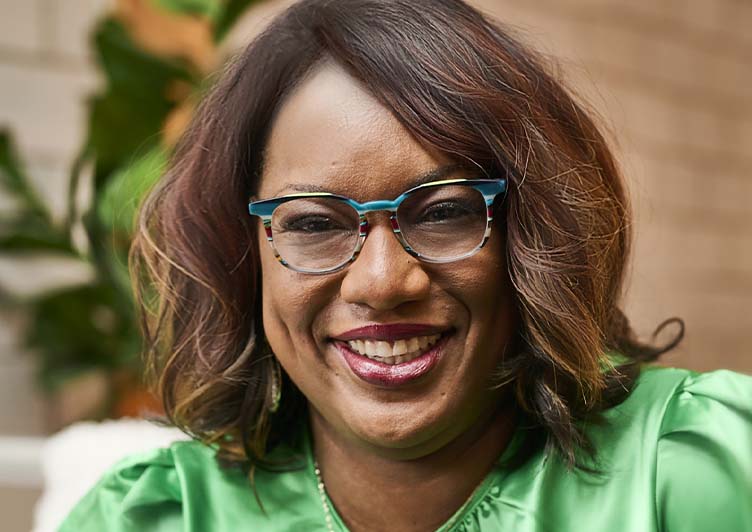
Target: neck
373 491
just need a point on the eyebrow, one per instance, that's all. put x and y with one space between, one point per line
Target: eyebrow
427 177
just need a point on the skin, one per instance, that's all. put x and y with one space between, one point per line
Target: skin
391 459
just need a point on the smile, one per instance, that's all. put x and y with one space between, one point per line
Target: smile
396 352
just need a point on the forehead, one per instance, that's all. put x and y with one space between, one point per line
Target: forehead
331 134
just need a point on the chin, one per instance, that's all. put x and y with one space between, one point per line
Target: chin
402 435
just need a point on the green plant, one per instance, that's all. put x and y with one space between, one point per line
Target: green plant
93 324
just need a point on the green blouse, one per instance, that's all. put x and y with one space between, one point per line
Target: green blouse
675 456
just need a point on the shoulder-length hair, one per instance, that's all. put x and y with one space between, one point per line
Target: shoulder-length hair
461 84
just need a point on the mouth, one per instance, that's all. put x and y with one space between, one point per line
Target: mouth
397 352
391 355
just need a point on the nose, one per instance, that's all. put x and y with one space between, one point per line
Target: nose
384 276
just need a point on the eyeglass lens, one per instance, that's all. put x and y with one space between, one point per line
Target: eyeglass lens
439 223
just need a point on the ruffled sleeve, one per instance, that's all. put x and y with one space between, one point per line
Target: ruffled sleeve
139 493
704 455
182 488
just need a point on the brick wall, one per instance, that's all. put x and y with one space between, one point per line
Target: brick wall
670 78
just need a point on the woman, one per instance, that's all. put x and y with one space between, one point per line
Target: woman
417 326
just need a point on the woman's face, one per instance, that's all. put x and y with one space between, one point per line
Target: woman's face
331 135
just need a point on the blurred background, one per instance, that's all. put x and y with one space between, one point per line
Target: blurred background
93 94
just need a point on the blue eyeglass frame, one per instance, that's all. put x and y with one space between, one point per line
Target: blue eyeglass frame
489 188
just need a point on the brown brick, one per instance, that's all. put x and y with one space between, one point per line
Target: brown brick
19 27
73 24
44 108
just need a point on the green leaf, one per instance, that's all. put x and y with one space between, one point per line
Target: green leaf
15 181
27 232
207 8
129 116
129 67
124 191
11 175
114 133
84 326
30 226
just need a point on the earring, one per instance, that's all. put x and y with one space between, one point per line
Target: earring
276 385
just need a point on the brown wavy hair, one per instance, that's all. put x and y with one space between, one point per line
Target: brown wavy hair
461 84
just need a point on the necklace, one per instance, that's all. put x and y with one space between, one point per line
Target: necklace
322 495
328 511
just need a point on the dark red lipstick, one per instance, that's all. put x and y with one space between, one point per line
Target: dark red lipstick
390 332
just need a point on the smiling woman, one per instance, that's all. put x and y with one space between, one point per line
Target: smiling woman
417 326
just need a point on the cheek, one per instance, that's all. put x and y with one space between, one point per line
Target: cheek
495 303
279 301
291 305
482 283
283 309
485 290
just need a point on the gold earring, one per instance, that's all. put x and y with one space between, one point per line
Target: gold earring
276 386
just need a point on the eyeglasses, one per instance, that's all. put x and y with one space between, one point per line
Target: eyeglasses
438 222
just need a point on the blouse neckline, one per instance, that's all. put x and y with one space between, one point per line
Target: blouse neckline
497 472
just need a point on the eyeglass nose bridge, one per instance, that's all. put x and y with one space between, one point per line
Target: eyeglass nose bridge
364 227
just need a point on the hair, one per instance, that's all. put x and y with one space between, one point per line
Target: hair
459 83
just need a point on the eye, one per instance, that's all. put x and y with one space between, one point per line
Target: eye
445 211
312 224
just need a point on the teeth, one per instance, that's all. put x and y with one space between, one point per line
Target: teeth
398 352
400 347
384 349
369 346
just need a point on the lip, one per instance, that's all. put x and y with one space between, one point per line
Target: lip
391 375
390 332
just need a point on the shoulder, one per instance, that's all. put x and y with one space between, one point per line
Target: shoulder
663 397
704 454
677 451
638 418
182 487
122 497
686 404
690 434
